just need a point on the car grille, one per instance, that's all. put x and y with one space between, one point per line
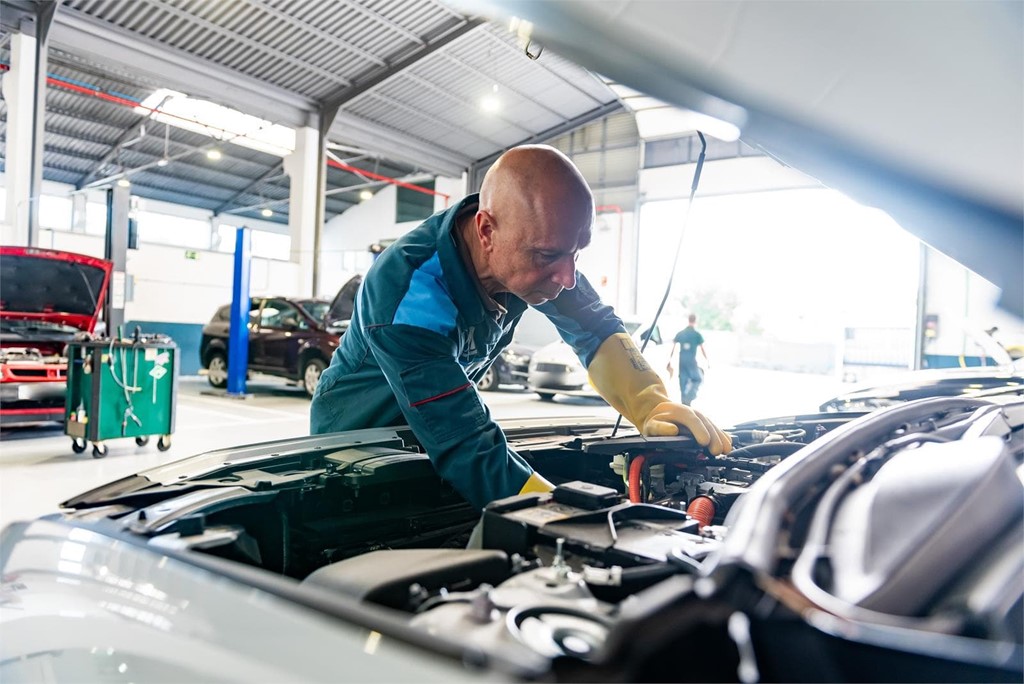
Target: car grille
553 368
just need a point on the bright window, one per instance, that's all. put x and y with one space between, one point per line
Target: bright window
264 243
173 230
55 212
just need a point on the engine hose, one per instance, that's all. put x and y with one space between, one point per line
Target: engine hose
701 509
636 467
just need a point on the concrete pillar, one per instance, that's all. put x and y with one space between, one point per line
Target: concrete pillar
116 249
19 90
302 166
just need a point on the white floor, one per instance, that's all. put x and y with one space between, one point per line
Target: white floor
38 470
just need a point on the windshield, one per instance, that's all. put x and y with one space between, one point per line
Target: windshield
317 308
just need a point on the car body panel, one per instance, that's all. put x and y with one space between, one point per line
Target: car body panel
48 297
81 605
963 382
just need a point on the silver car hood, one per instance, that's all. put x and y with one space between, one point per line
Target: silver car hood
912 107
77 605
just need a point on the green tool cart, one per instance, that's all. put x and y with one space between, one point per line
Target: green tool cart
121 388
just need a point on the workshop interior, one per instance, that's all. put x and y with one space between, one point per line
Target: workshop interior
767 399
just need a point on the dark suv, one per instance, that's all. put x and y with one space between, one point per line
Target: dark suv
289 338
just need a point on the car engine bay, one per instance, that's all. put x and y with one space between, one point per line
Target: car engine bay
862 543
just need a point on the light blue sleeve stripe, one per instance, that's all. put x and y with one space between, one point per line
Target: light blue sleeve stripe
426 303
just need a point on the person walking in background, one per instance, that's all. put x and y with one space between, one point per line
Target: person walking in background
688 340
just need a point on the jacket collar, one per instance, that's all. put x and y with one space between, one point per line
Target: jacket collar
463 283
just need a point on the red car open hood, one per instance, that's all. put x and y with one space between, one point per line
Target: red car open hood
48 285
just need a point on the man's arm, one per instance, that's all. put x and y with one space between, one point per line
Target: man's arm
446 414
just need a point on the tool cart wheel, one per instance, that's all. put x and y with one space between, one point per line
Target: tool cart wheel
164 443
142 441
78 445
99 450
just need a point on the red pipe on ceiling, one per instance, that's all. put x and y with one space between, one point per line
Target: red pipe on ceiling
125 102
394 181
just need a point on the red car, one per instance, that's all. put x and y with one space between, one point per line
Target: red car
46 298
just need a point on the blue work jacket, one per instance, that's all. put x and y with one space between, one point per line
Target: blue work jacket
420 338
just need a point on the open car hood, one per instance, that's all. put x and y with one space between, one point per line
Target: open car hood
52 286
344 302
911 107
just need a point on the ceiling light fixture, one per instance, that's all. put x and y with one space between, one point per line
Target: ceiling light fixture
490 102
162 162
267 212
365 195
124 183
213 154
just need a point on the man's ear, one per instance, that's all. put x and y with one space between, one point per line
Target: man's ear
484 224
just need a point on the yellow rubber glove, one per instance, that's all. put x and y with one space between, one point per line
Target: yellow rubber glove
621 375
536 483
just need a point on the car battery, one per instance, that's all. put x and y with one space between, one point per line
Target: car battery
120 388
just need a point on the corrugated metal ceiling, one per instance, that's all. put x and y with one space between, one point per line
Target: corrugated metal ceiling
408 76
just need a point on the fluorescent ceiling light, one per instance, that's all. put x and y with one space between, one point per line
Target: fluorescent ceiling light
124 183
221 123
365 195
267 212
213 154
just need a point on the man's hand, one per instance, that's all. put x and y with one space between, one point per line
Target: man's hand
667 417
623 377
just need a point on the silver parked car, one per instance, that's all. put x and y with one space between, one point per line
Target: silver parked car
555 369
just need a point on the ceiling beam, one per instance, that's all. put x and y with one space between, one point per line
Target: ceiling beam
255 183
83 36
344 95
392 144
480 166
128 134
265 6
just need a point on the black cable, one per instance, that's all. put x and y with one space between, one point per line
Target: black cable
675 261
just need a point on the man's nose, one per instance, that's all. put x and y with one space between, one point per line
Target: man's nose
565 273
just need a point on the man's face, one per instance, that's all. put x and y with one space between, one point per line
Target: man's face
536 260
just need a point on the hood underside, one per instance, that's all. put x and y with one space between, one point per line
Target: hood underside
914 108
52 286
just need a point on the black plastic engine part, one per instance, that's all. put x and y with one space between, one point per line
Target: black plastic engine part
585 495
385 577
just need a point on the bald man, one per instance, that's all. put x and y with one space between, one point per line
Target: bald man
440 304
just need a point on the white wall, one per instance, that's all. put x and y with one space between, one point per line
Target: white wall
172 288
346 238
168 286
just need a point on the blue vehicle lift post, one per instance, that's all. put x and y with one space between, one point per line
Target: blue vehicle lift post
238 333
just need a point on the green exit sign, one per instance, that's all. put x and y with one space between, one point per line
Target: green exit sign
192 254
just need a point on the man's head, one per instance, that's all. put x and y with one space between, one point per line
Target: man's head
535 214
692 318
